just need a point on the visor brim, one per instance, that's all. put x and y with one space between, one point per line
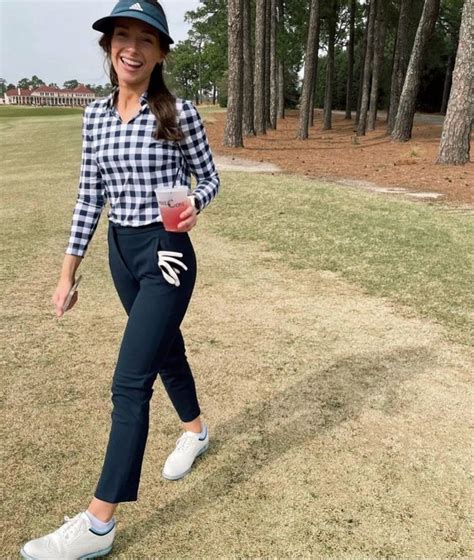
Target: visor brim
106 23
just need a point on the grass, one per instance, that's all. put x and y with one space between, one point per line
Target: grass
409 253
15 111
325 343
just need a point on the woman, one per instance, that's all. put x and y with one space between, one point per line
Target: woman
138 138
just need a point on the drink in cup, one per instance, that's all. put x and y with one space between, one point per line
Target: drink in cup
172 202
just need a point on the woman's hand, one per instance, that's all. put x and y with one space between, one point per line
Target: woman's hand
189 218
60 296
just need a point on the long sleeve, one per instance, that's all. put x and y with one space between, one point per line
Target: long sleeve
198 155
90 198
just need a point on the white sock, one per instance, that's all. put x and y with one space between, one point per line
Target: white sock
202 433
98 525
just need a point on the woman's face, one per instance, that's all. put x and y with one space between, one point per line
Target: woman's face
135 50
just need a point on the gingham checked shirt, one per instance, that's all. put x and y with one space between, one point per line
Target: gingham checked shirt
124 163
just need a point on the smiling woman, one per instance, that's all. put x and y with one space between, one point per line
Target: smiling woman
137 139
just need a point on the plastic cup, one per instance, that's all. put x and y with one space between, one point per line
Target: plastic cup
172 202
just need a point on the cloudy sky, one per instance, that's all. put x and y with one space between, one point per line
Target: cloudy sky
54 39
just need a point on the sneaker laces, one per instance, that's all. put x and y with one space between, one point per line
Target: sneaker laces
185 441
70 526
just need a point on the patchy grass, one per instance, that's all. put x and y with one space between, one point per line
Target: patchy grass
339 426
407 252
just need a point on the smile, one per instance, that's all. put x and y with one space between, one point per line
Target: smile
129 63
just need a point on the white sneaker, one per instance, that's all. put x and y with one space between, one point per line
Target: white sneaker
74 540
188 447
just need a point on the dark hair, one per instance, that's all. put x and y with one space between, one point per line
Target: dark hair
161 101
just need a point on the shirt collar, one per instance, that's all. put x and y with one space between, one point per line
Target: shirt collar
111 98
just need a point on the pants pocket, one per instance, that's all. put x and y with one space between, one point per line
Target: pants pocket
174 258
171 265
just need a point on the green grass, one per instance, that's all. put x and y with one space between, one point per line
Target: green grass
410 253
15 111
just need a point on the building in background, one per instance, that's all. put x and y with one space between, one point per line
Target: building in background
42 96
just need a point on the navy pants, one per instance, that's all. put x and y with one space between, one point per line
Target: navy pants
152 343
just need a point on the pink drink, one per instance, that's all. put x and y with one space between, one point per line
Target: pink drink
172 203
170 216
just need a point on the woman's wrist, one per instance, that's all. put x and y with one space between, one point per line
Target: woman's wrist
196 203
70 265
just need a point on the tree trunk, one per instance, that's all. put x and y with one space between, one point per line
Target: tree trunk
281 90
268 11
400 63
315 76
456 135
259 82
364 104
350 61
379 46
406 109
281 67
447 84
309 70
362 66
328 93
233 127
273 66
248 126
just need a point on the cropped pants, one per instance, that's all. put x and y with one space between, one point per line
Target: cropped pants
152 344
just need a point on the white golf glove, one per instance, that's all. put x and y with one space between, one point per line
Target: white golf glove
165 261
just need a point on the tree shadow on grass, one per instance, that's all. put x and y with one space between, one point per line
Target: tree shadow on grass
312 406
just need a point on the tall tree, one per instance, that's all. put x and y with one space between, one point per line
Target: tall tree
364 104
248 118
273 65
363 56
36 82
233 127
70 84
400 62
448 78
350 59
24 83
315 74
259 82
268 7
450 22
309 70
328 93
209 23
181 69
456 135
406 109
379 46
281 67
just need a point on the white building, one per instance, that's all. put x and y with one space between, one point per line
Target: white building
80 96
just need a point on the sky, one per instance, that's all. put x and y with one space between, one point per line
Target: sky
54 38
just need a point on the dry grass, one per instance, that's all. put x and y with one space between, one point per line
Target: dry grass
339 426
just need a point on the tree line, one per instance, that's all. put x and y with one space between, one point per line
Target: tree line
388 46
259 57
